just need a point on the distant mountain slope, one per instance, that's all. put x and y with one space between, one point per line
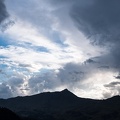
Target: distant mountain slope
44 101
63 105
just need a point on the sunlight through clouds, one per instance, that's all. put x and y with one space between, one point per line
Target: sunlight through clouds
54 45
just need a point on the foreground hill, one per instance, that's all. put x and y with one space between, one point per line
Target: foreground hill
63 105
6 114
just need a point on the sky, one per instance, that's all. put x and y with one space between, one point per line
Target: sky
51 45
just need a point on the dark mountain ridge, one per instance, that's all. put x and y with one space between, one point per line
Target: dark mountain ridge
44 101
63 105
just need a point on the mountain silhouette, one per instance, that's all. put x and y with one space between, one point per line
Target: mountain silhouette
63 105
6 114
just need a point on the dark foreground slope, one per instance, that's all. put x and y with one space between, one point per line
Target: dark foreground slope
6 114
63 105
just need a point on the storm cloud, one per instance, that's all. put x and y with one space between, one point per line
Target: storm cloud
99 20
3 12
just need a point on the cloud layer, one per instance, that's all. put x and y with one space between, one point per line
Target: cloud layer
61 44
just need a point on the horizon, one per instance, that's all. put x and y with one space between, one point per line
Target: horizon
50 45
57 92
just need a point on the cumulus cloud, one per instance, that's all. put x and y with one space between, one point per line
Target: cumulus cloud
45 80
15 85
72 73
5 91
76 77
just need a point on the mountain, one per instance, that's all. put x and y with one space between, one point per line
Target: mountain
63 105
6 114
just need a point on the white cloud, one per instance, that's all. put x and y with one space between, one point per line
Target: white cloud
24 53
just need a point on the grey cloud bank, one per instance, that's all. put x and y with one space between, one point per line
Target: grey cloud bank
99 20
3 12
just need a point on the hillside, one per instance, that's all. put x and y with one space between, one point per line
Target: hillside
63 105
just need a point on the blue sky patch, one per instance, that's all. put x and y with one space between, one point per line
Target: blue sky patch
3 41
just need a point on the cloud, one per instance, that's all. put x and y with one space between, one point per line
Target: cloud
72 73
3 12
79 78
112 89
117 77
15 85
5 91
5 22
112 84
44 81
99 21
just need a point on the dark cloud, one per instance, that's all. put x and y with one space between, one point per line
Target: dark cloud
72 73
117 77
24 65
113 89
90 61
15 81
104 67
99 20
108 94
3 12
112 84
5 91
44 81
4 24
12 87
68 76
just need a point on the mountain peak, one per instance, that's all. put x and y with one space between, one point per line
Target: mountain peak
68 93
65 90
